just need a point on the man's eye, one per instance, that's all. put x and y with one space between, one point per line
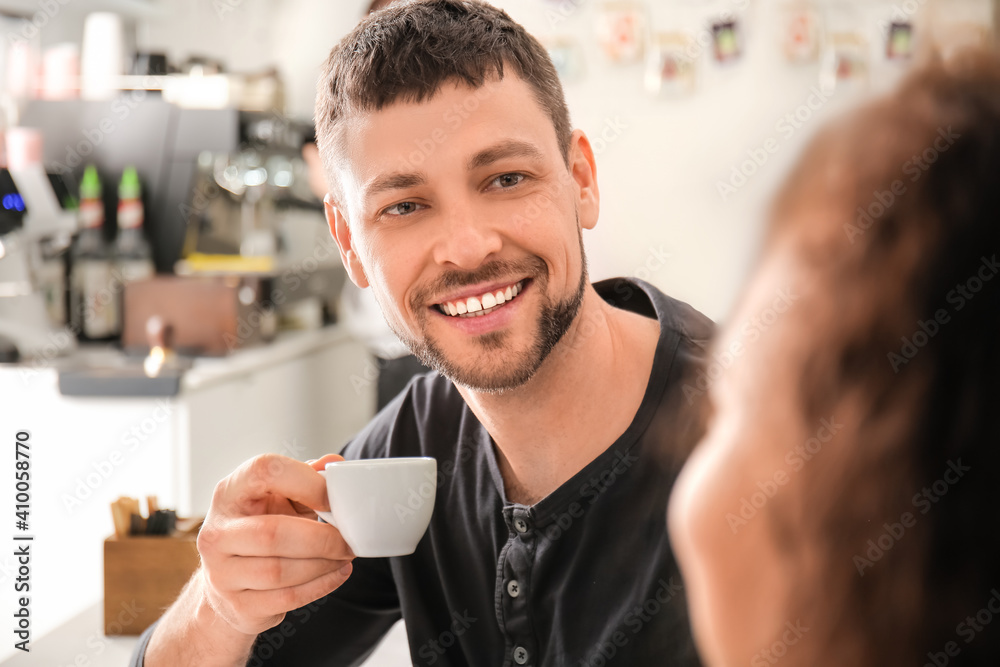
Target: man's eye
508 180
402 208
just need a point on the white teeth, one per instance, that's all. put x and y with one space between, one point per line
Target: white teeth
479 306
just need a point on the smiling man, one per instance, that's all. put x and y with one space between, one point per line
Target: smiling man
486 302
556 413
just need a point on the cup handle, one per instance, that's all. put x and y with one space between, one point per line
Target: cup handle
326 516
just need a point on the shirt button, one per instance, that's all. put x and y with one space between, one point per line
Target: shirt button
521 525
520 655
513 588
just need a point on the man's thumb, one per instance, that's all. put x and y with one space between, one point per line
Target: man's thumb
320 463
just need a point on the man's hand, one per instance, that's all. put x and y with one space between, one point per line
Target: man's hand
263 552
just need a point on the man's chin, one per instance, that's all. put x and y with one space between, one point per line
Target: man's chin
495 371
489 384
491 364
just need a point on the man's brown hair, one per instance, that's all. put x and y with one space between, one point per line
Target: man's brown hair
407 51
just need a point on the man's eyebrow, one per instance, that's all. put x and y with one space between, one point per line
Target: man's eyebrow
401 180
505 149
393 181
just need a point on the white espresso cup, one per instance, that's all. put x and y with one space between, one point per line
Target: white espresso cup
381 506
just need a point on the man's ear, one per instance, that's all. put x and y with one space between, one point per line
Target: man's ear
583 169
341 231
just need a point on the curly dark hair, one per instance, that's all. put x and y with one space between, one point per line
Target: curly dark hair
906 342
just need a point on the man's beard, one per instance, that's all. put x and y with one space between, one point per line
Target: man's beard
506 369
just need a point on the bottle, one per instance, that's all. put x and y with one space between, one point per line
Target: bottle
51 276
94 313
133 256
53 272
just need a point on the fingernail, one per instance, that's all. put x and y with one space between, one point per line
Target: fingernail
346 570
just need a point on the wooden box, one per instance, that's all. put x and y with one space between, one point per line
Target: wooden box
142 577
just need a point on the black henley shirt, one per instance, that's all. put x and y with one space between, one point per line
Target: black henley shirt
583 578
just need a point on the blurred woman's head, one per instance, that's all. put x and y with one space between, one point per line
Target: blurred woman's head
840 509
379 4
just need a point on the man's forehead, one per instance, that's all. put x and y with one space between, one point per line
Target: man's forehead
408 136
453 99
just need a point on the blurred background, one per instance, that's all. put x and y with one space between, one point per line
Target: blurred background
171 303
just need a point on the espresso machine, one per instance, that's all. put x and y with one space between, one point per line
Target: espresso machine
228 213
251 211
36 223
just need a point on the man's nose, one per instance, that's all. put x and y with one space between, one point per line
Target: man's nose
465 239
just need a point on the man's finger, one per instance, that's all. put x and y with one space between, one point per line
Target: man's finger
254 484
239 573
286 599
320 463
274 535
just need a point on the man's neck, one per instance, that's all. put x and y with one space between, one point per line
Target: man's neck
582 399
